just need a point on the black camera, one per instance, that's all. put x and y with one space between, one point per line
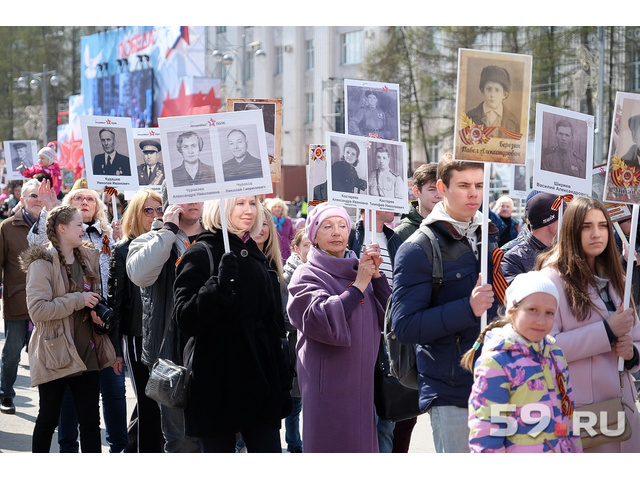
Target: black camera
105 314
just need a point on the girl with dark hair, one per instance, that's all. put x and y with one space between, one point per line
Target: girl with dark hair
590 325
68 346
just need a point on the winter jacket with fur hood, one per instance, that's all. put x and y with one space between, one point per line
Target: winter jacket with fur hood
52 352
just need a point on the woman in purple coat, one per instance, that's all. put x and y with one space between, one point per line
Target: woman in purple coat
336 301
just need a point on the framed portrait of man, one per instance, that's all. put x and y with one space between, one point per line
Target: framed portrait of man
622 180
109 152
563 159
271 110
317 173
149 159
372 109
19 153
492 107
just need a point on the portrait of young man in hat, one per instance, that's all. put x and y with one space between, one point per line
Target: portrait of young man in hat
495 85
151 171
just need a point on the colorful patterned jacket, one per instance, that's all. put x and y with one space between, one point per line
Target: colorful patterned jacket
512 371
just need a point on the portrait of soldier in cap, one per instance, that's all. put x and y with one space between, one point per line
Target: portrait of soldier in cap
631 158
369 120
562 158
495 85
20 156
151 172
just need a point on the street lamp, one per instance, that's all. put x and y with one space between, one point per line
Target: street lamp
35 80
227 58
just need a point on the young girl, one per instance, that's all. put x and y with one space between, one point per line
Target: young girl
47 163
591 326
66 349
521 367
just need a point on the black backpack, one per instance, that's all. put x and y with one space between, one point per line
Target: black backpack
402 356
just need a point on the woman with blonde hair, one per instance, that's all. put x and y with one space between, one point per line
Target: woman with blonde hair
65 350
240 381
145 433
591 326
283 223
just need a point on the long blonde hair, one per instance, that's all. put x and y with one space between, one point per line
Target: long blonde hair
271 247
131 223
100 214
212 221
62 215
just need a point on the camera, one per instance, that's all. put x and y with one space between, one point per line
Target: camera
105 314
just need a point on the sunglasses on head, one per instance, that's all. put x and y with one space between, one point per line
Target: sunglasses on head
149 211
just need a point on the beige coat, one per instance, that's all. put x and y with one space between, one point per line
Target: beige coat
52 352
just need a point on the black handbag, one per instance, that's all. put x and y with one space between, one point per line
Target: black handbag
393 401
169 383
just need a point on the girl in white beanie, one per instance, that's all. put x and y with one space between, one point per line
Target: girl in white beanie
47 164
521 399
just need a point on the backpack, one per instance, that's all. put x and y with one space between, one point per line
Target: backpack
402 356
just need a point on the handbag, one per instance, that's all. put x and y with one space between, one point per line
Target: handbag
609 410
168 382
393 401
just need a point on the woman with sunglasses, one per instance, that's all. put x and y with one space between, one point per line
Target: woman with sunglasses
145 433
99 233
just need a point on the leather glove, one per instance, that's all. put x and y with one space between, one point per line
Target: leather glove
228 271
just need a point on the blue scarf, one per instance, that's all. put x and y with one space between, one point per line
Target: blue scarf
279 222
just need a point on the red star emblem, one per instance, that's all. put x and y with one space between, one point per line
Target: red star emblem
212 122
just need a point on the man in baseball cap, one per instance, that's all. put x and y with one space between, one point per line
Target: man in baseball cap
151 172
543 225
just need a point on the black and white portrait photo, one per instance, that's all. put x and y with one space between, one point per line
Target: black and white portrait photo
372 109
520 178
349 169
188 166
240 154
18 154
113 158
385 171
564 145
149 162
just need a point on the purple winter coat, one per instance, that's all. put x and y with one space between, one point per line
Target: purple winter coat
285 236
339 335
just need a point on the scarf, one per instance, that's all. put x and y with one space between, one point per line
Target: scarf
279 222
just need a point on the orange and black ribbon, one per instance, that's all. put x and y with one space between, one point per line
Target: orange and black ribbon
558 201
106 249
499 283
186 244
110 191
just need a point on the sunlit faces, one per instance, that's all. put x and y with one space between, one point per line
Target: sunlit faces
332 236
43 161
108 141
276 210
494 94
237 144
190 149
504 209
72 233
147 220
463 196
191 212
385 217
244 213
33 205
350 155
263 236
303 249
427 197
595 234
533 317
85 201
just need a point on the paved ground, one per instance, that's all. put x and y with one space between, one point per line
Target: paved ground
16 430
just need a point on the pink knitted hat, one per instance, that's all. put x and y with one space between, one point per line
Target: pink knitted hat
319 214
49 153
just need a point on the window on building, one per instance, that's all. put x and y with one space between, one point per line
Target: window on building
309 108
634 72
309 54
352 47
279 59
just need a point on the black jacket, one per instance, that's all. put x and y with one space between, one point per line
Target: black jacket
123 295
239 374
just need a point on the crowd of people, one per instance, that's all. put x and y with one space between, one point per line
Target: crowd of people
286 317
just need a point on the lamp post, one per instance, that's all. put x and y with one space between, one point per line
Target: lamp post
39 79
227 58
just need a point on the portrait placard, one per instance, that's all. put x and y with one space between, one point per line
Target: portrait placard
563 156
18 152
492 108
109 152
272 115
214 156
518 186
372 109
367 173
317 174
149 160
622 180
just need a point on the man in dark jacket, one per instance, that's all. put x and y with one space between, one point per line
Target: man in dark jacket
543 225
427 195
13 240
151 265
448 326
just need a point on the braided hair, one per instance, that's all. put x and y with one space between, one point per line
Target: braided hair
468 359
62 215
